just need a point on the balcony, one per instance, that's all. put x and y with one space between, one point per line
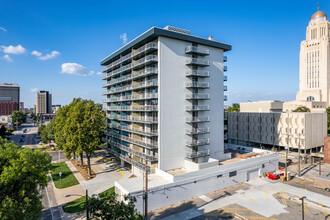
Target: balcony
152 145
197 119
149 47
197 108
135 130
225 88
144 61
224 58
197 51
117 62
225 98
225 68
133 108
198 96
192 131
144 84
134 152
132 97
202 85
141 166
147 120
195 143
120 70
197 73
193 155
225 78
197 62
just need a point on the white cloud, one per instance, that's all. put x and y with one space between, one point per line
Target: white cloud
99 73
8 58
14 49
75 69
36 53
1 28
124 38
34 90
52 55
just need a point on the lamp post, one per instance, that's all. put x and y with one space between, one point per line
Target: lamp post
302 207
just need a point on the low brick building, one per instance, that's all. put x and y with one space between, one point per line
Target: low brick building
7 107
327 150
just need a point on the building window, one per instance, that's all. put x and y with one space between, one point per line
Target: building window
218 176
233 173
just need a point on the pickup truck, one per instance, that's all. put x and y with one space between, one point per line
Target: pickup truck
322 182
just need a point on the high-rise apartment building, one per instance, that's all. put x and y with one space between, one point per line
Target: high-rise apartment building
164 100
314 70
12 91
43 103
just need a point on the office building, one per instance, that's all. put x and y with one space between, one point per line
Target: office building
314 66
12 91
55 108
7 106
165 99
261 106
21 106
278 129
165 109
43 103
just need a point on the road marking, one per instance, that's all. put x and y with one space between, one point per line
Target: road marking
252 200
266 194
49 203
205 198
255 217
324 210
122 173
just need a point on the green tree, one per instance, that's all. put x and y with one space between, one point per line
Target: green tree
107 207
328 112
50 130
3 131
23 176
234 108
42 130
34 117
302 109
18 117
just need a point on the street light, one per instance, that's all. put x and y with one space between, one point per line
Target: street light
302 207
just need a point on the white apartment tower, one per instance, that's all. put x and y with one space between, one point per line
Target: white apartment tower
314 70
164 100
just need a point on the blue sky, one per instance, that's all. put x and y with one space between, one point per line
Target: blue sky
73 36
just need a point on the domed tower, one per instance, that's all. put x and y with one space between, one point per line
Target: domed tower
314 68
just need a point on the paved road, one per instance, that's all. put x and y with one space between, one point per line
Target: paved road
51 210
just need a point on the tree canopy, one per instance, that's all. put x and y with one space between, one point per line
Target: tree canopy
301 109
18 117
108 208
79 127
234 108
23 174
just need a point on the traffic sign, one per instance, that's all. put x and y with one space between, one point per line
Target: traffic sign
60 173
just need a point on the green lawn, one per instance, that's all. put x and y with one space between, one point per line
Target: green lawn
78 205
67 179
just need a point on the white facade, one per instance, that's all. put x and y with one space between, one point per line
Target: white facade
165 101
278 129
314 69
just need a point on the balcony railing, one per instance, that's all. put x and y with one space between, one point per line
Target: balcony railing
139 85
197 119
204 85
198 73
141 166
134 152
192 155
225 88
152 145
201 142
135 130
198 96
225 68
148 46
197 130
133 108
144 60
117 62
133 97
225 78
197 50
147 120
118 71
197 62
225 59
197 108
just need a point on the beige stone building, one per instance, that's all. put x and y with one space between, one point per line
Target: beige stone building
314 66
277 129
262 106
43 103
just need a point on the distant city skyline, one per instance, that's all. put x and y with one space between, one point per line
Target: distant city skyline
58 46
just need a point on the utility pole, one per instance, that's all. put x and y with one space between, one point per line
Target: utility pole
299 157
146 191
302 207
87 214
320 167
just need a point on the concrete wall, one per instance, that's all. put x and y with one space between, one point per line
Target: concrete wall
190 185
261 106
278 129
327 150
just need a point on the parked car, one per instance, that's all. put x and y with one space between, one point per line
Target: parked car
322 182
